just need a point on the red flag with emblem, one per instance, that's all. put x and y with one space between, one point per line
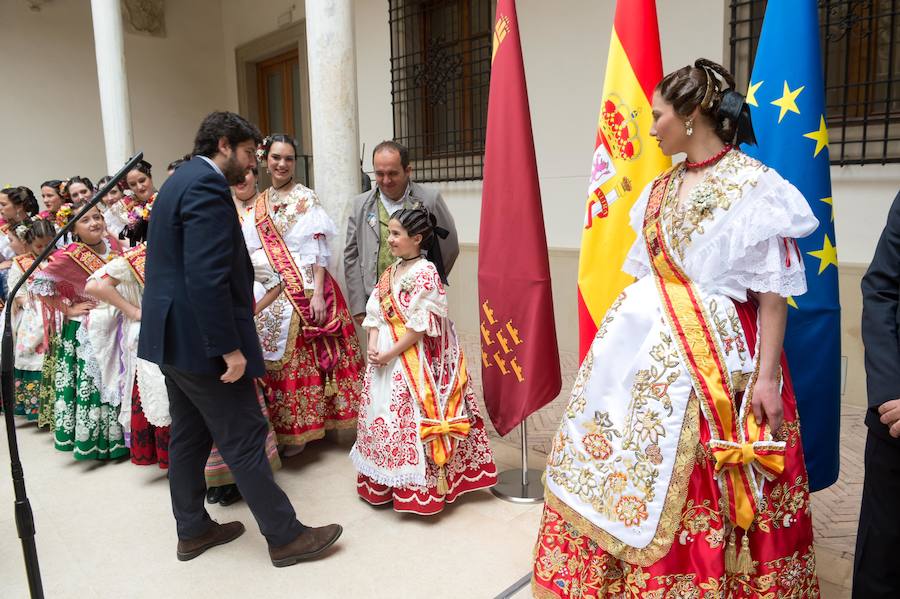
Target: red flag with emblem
519 356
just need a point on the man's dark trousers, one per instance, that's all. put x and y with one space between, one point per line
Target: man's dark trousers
206 411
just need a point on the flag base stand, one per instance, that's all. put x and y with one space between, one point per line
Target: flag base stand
520 486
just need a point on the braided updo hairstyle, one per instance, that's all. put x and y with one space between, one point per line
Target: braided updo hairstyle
24 197
39 228
418 221
709 86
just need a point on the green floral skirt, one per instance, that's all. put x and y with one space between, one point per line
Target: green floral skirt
47 391
28 388
83 424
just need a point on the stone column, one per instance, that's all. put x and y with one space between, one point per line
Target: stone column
115 108
333 113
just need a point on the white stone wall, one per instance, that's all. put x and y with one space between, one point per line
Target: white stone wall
51 107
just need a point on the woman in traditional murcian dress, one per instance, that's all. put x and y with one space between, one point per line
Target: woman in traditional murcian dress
127 218
420 440
138 385
677 470
85 420
27 321
17 204
313 360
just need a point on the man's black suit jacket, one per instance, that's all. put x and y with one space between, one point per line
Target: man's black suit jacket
881 322
198 293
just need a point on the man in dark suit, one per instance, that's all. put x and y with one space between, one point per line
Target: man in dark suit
878 537
197 324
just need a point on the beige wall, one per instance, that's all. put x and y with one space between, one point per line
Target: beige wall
51 111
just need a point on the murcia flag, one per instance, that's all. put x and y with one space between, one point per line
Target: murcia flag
519 357
626 158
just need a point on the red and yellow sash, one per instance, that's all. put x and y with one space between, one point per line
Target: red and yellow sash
83 256
24 261
738 443
441 429
136 258
323 338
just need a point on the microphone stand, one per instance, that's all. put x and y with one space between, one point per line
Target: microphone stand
24 515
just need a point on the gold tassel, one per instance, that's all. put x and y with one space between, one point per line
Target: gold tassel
745 560
731 554
330 385
442 482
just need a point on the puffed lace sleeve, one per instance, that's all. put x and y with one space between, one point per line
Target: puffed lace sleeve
263 273
115 218
373 317
637 262
116 268
428 301
6 250
251 235
308 238
756 249
15 273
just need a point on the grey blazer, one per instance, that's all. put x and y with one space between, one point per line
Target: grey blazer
361 251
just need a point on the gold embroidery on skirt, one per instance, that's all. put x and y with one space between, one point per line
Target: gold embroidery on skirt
669 520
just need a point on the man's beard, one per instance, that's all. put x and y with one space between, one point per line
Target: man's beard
233 171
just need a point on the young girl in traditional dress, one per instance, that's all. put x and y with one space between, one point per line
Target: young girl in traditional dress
27 321
420 441
313 360
678 469
84 421
139 385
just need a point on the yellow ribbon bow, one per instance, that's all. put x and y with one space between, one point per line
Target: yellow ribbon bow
434 431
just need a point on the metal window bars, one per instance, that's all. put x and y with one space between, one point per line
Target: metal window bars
440 75
861 61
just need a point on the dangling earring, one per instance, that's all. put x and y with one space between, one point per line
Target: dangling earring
689 127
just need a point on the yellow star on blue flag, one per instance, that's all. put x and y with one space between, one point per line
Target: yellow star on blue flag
789 120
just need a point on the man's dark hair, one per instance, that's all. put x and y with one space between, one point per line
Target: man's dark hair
393 146
235 128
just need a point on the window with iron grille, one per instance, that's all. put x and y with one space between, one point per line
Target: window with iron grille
861 59
440 75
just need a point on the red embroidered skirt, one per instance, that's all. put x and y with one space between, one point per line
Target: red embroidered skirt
299 407
569 563
470 468
149 444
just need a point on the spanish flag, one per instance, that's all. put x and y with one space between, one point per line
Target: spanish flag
626 158
519 357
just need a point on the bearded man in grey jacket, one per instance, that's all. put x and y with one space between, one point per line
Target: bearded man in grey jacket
367 254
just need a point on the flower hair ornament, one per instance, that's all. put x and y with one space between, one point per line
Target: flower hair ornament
62 187
261 148
63 215
22 230
45 215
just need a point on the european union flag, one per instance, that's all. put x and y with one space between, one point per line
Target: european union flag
787 99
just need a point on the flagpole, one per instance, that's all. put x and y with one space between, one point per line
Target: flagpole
520 485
